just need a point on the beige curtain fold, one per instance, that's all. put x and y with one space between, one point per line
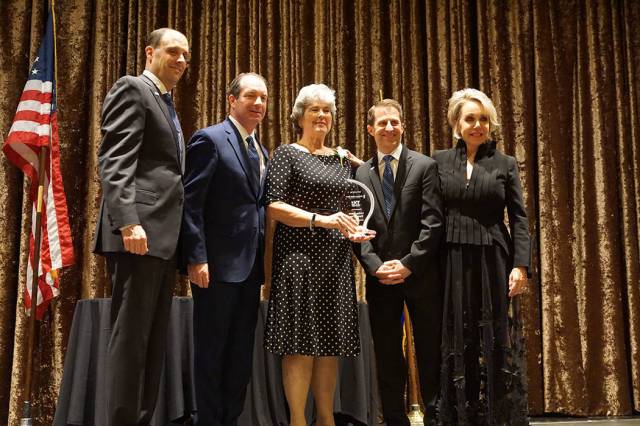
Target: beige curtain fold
565 78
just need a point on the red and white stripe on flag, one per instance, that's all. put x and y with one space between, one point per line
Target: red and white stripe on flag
35 126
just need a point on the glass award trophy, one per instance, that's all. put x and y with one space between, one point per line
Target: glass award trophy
358 202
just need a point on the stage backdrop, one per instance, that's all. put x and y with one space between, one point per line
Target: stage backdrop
565 78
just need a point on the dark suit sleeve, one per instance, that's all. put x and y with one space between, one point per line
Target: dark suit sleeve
432 226
201 161
368 258
365 251
123 123
518 221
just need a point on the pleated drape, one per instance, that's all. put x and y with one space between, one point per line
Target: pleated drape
565 78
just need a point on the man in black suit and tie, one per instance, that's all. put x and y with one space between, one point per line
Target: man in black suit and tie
401 263
223 244
140 166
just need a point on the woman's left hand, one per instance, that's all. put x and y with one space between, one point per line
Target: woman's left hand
518 281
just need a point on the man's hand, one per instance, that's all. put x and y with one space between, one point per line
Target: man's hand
353 159
134 239
518 281
265 290
199 274
392 272
361 235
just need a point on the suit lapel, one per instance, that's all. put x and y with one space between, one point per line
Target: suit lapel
155 92
265 156
374 178
234 139
404 166
460 169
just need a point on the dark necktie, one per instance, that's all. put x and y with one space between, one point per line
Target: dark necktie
387 185
174 117
254 160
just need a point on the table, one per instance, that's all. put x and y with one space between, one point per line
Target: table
82 401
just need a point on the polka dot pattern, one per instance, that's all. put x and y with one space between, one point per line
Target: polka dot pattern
313 308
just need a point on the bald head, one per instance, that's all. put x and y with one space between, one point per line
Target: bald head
167 53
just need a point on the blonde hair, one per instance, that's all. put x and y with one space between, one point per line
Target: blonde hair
460 97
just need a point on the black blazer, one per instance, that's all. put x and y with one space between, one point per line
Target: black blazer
139 168
475 213
412 233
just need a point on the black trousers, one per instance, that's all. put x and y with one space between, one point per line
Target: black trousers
386 304
224 322
142 289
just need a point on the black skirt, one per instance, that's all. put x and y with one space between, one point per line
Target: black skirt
482 376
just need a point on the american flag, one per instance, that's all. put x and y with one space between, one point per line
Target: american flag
35 126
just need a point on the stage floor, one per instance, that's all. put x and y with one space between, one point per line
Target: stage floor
592 421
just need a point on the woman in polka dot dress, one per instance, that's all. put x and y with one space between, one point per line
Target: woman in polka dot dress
313 315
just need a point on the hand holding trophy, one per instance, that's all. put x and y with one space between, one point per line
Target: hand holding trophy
358 203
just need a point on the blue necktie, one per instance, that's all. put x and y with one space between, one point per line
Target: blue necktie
254 160
387 185
174 117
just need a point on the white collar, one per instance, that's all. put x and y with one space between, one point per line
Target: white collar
243 132
159 84
395 154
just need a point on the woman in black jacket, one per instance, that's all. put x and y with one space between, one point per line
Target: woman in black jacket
486 267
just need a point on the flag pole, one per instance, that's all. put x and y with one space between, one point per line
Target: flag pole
415 414
27 419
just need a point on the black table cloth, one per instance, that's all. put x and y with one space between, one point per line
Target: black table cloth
82 400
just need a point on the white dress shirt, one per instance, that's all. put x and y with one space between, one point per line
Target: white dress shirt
394 163
159 84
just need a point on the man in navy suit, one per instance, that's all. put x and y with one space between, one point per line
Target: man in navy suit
141 160
223 244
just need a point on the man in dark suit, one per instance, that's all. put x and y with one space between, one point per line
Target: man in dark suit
401 262
223 242
140 166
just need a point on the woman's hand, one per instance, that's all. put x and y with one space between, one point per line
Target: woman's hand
340 221
518 281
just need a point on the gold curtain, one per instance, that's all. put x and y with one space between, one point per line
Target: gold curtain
565 77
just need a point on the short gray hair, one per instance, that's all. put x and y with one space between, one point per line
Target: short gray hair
460 97
307 95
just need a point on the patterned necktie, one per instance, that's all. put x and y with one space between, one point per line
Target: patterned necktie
174 117
254 160
387 185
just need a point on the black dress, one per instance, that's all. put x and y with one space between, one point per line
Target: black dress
312 308
482 375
